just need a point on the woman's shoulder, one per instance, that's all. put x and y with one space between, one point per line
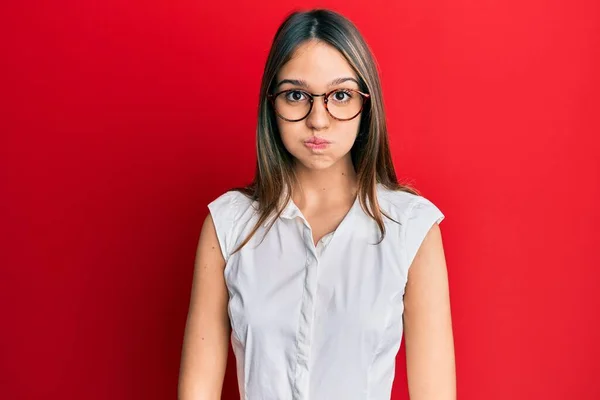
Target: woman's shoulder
230 211
405 204
397 201
416 213
231 203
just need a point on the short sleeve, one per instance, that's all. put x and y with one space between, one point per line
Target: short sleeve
421 216
223 211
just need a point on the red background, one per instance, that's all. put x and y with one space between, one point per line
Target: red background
122 120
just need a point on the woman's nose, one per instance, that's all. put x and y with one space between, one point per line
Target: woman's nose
319 116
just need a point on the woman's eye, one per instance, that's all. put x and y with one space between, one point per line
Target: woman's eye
295 95
342 95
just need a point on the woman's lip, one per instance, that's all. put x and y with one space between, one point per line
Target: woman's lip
317 141
316 146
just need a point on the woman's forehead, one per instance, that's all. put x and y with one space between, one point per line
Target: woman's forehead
317 64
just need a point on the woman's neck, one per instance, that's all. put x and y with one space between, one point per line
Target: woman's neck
336 183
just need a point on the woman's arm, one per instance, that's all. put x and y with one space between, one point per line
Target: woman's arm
206 338
428 333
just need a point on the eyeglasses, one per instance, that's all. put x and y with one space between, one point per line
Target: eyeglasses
342 104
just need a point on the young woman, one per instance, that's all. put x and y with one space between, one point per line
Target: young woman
317 268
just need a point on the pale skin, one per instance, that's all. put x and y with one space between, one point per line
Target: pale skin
327 185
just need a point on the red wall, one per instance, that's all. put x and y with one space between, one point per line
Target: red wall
122 120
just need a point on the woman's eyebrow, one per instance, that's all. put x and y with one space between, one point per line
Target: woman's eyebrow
342 80
304 84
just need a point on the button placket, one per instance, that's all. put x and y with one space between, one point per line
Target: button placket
307 313
322 244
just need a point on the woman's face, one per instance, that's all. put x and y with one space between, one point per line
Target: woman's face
317 65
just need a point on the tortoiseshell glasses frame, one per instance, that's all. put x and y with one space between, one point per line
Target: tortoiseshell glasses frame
311 96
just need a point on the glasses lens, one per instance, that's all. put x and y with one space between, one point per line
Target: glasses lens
344 104
292 104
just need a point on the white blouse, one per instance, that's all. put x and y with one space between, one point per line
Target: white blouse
319 322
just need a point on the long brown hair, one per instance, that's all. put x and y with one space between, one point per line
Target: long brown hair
370 153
